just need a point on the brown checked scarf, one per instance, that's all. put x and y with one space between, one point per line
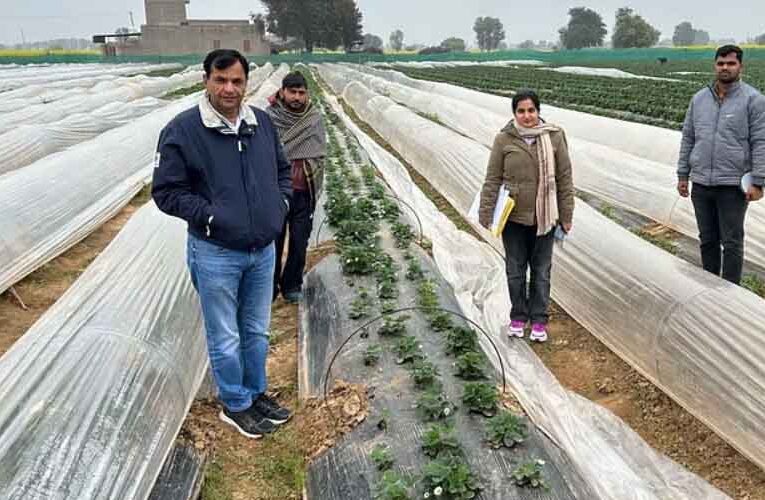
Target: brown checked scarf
303 138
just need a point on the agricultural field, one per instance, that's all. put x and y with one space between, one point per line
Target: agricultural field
655 102
402 378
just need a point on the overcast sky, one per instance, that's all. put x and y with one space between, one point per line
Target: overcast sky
423 21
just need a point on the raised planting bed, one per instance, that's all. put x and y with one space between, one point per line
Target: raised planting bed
439 424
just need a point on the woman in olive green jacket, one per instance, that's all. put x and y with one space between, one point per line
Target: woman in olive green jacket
530 158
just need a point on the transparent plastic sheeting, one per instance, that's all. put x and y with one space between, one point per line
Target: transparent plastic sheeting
151 86
100 95
269 87
637 184
644 141
455 64
50 205
613 460
53 203
28 143
691 333
48 69
607 72
48 92
96 391
258 76
15 82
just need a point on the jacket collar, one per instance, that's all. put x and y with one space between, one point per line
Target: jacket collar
732 90
212 119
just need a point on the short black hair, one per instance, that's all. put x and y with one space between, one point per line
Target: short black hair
523 95
294 80
726 50
223 59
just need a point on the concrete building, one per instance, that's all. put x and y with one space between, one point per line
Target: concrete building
169 31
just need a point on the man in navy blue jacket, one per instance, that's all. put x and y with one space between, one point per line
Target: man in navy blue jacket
220 167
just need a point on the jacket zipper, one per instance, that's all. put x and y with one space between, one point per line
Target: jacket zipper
242 168
714 136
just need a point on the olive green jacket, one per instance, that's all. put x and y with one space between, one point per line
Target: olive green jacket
514 164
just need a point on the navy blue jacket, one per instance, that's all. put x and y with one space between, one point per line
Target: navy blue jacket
232 189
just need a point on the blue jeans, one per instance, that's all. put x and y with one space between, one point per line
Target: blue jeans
235 288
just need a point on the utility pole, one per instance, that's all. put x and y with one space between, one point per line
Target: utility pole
23 39
132 22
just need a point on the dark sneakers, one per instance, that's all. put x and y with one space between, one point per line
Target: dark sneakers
270 409
247 423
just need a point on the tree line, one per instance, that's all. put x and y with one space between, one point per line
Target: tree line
307 24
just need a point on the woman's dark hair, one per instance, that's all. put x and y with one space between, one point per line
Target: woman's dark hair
223 59
726 50
523 95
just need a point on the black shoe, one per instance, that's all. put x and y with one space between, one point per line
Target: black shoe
293 297
247 424
271 410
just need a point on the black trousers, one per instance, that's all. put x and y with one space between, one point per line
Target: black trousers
525 250
299 223
720 214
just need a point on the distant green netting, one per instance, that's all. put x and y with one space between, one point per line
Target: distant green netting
595 56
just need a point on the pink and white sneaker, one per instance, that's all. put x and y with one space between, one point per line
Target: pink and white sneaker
538 333
516 329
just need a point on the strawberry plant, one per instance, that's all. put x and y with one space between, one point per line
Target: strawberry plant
388 306
440 321
414 270
381 457
372 355
393 327
385 268
403 234
360 305
357 231
480 397
470 366
393 486
450 477
424 373
338 207
506 429
369 176
387 290
385 272
460 340
433 405
408 350
358 259
440 440
377 193
426 295
390 210
529 475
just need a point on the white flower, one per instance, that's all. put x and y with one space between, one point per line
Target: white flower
426 495
447 411
437 492
540 462
347 261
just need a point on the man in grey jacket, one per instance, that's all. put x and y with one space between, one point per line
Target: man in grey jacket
723 140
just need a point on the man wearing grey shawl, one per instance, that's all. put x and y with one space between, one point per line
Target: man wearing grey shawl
301 130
